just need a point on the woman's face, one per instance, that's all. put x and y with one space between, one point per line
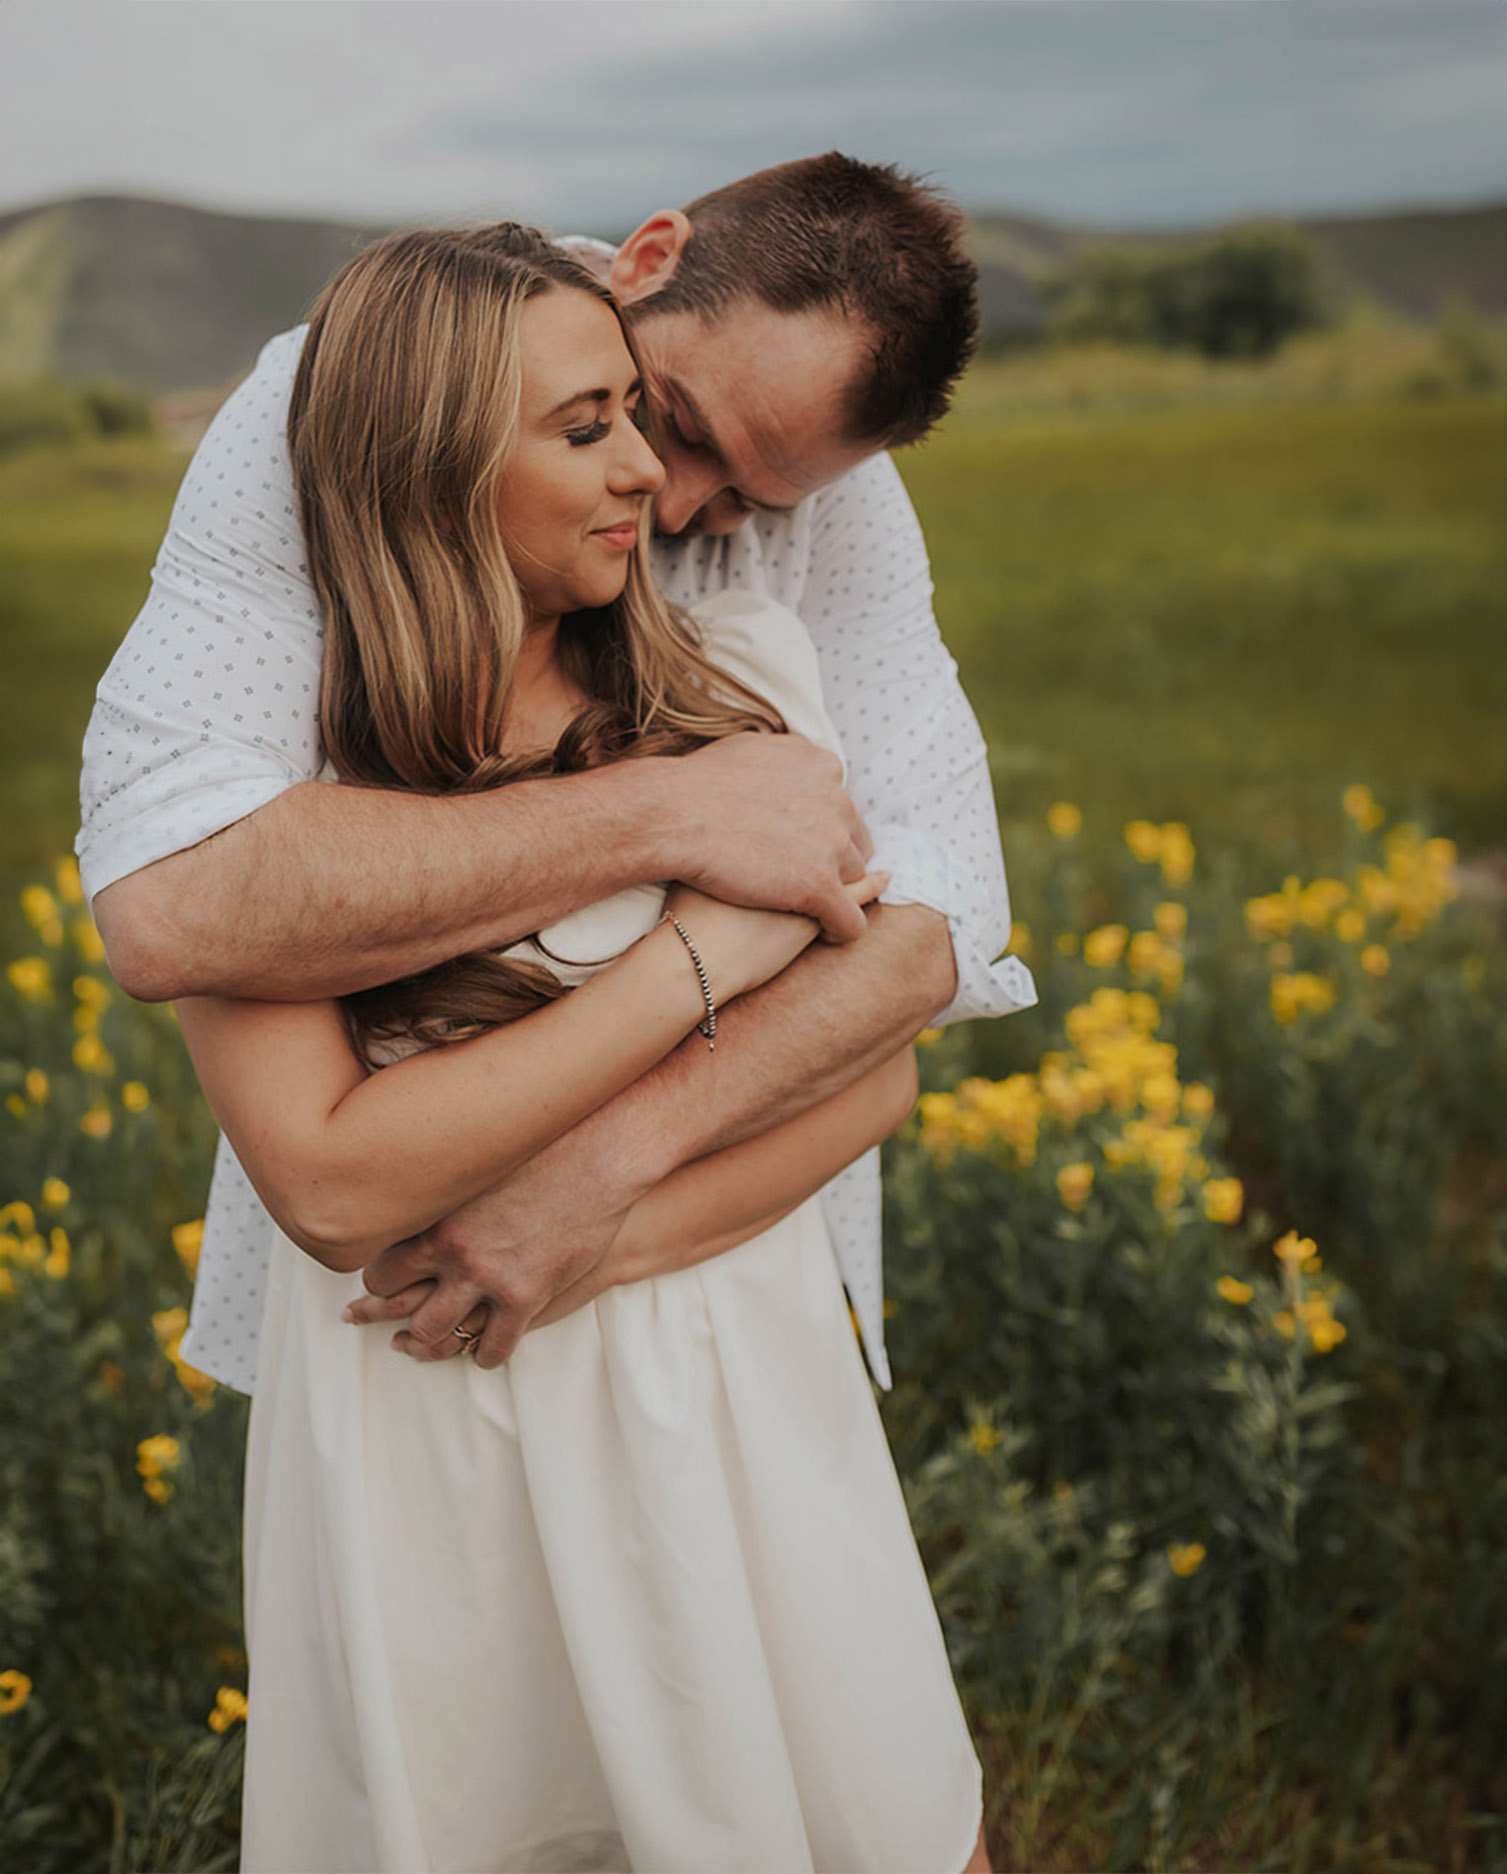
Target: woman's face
578 477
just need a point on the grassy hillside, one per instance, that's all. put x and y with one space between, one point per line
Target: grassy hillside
174 298
152 293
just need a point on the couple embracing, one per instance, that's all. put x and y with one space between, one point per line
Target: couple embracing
576 570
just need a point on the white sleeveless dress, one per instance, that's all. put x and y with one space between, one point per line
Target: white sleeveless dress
645 1598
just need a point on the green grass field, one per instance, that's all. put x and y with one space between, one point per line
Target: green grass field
1221 614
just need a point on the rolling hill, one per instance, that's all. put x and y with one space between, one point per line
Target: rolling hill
172 298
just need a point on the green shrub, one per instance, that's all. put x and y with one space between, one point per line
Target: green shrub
1240 294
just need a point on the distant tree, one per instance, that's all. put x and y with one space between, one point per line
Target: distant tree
1239 294
117 409
38 413
44 411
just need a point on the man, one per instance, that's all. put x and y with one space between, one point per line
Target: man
789 328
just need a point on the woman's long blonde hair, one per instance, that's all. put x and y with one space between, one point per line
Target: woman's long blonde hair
404 412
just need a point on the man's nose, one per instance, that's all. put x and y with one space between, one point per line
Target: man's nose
688 486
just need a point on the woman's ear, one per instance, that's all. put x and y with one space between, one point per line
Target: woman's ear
647 260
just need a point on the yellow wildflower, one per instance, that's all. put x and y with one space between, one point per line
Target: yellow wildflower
1176 854
67 882
15 1689
1171 920
1358 802
154 1456
230 1708
1284 1323
928 1038
1234 1290
1376 960
1224 1199
91 1054
38 1086
1319 901
85 1021
55 1194
1350 925
1020 940
32 977
135 1098
1074 1182
1064 820
188 1238
87 941
1198 1100
31 1250
1186 1558
1268 917
1145 840
15 1105
1302 993
96 1123
18 1216
1145 953
59 1254
91 992
984 1438
38 906
1295 1250
1103 948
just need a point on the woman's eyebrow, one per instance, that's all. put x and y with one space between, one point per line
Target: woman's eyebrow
598 396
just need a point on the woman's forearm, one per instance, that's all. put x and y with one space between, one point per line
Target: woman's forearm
349 1163
719 1202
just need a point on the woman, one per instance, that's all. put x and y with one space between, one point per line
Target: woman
646 1597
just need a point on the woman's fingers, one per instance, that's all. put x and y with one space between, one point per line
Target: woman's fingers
871 886
368 1308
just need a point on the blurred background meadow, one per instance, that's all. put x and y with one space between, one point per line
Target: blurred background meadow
1197 1272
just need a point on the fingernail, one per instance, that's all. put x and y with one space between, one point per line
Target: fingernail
350 1312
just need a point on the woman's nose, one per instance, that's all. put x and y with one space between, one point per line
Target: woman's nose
637 470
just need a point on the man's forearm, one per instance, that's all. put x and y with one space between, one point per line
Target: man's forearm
834 1015
327 890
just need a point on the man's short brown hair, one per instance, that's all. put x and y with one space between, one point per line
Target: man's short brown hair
864 239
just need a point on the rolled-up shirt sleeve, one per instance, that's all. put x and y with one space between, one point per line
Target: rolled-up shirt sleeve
210 708
919 769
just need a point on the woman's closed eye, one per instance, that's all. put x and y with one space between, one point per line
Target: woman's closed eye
594 432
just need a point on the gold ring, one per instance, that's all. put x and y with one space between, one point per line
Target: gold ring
463 1334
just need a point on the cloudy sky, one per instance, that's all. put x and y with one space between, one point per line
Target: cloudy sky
587 113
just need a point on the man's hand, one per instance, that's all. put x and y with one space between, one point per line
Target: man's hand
770 826
511 1251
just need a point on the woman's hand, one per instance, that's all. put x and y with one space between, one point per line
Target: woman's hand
740 948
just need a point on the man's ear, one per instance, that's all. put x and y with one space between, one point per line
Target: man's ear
647 260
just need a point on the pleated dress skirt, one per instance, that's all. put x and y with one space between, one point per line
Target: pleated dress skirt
645 1598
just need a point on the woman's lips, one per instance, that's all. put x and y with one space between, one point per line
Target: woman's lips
624 536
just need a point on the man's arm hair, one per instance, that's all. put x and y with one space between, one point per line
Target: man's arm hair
327 890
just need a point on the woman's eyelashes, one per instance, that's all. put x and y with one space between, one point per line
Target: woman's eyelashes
594 432
601 427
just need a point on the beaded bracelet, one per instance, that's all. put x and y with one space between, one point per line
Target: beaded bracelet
708 1027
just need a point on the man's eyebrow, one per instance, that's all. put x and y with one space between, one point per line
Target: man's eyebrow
709 442
598 396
